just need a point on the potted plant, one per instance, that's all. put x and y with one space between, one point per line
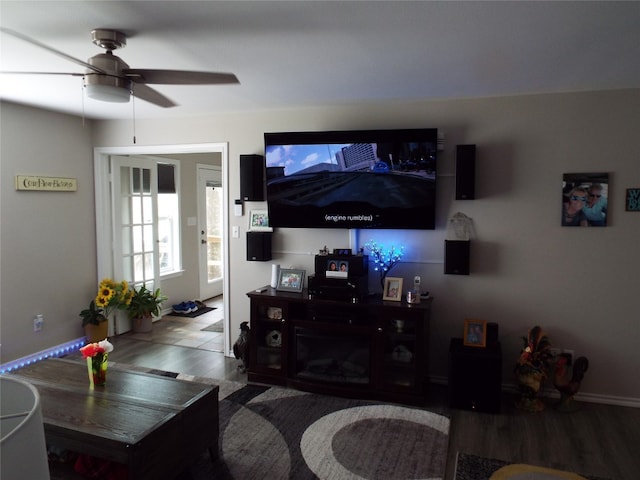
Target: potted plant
94 322
144 305
532 369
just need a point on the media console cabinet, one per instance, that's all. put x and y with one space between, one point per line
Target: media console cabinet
371 349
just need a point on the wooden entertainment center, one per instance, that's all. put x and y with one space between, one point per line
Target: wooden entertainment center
368 349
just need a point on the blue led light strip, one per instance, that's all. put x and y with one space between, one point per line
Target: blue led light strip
52 352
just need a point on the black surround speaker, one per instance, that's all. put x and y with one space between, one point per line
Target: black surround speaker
493 338
252 178
456 257
475 377
465 172
258 246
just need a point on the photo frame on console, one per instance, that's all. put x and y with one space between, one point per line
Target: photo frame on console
290 280
392 289
475 333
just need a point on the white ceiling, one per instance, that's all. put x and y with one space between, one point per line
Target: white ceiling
305 53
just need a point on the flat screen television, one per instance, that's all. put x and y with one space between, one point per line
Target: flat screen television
378 179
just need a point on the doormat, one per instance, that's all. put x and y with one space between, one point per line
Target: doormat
195 314
214 327
472 467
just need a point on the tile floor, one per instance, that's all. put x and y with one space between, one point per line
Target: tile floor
186 332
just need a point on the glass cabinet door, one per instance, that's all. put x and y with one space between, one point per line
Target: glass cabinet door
268 335
398 341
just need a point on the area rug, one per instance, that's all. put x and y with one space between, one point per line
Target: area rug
214 327
278 433
195 314
473 467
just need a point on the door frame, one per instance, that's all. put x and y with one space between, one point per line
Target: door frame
104 219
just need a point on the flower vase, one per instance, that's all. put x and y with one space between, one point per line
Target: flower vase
97 369
529 385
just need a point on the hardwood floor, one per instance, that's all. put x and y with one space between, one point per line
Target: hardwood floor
599 440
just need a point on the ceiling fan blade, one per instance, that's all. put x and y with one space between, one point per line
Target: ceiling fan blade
179 77
30 40
152 96
45 73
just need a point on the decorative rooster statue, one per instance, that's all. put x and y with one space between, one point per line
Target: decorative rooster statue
241 347
567 381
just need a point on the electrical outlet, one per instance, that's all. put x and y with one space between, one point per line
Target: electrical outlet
38 323
416 283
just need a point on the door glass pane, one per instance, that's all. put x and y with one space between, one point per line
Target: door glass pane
148 266
214 233
146 180
147 209
127 267
137 238
135 178
148 238
136 210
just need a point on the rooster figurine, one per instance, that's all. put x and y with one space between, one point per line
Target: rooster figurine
567 381
241 347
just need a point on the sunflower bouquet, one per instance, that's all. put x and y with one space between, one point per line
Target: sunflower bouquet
113 296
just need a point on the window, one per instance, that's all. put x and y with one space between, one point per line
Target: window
169 245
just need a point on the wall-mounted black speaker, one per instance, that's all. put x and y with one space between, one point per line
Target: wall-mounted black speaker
465 172
258 246
457 256
493 337
252 178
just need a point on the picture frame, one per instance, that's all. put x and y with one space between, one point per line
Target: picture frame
392 289
337 268
632 200
290 280
475 333
259 221
585 199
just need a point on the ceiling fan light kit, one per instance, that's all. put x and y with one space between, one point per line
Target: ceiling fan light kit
107 88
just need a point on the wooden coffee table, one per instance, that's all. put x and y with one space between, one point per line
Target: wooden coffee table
155 425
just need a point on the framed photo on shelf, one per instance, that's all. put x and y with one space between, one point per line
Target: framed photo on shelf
475 333
392 289
259 221
290 280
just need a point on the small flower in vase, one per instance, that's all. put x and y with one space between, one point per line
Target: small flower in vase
383 260
96 355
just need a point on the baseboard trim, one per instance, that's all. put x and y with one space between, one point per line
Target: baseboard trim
550 393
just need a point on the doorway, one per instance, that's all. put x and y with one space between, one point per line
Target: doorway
104 226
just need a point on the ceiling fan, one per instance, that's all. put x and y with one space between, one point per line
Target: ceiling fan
108 78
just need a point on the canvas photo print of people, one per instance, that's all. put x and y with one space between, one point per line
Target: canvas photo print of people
585 199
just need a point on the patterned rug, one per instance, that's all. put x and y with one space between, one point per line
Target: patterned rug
277 433
472 467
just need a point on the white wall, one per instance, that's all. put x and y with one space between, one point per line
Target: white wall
526 269
47 239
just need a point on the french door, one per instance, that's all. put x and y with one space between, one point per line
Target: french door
135 222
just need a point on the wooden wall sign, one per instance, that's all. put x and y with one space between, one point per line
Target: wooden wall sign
47 184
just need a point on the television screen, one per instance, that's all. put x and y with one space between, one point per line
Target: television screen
382 179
